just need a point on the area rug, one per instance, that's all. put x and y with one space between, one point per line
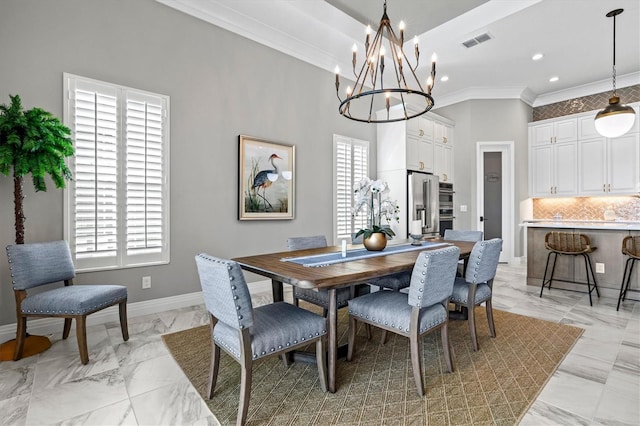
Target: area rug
494 386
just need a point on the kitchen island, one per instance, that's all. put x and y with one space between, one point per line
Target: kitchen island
608 259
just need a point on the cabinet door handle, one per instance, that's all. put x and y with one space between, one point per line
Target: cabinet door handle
420 132
444 177
421 165
608 187
604 187
444 139
551 189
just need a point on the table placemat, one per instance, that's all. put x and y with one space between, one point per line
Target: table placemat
326 259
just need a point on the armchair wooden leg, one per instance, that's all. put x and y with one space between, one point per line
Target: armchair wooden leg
123 320
81 334
416 362
213 370
21 334
67 328
321 355
492 327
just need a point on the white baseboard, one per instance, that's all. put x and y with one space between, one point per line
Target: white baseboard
47 326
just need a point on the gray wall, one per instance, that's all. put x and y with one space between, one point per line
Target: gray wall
221 85
487 121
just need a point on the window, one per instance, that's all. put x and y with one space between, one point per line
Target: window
351 164
117 206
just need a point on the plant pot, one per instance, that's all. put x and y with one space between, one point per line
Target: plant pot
376 242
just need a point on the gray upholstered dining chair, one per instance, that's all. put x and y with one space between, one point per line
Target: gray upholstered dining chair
321 297
462 235
422 310
476 287
38 264
249 334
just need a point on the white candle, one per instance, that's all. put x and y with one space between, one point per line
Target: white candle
344 248
416 227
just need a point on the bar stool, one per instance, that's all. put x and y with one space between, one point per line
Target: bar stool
631 248
571 244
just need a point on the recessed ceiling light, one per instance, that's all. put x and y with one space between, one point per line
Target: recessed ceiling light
537 56
554 79
444 78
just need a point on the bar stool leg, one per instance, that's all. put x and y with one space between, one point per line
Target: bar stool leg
595 283
626 279
553 268
587 265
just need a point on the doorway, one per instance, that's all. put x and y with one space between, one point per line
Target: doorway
495 193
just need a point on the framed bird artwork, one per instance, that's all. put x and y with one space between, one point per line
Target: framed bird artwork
266 179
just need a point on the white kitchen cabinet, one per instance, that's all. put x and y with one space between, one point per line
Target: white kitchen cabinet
412 145
554 131
443 155
609 166
553 170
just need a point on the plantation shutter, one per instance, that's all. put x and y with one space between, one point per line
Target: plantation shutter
351 162
116 210
144 171
96 172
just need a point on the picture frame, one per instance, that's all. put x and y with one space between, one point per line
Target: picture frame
266 173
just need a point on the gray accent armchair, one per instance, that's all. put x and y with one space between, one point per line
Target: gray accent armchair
415 314
37 264
249 334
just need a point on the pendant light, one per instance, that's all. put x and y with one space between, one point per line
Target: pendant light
616 119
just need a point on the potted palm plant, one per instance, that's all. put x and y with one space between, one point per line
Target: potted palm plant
37 143
372 196
32 142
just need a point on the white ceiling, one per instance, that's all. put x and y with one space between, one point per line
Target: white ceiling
574 35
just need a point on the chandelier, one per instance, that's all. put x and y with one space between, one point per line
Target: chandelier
370 89
615 119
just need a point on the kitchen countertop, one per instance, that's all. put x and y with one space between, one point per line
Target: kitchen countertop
583 224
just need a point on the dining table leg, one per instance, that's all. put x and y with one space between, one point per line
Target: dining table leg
277 291
332 337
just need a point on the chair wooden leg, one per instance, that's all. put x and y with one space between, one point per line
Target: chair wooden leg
368 328
492 327
123 320
213 370
81 335
321 355
21 334
245 387
446 347
383 337
67 328
352 337
472 326
416 362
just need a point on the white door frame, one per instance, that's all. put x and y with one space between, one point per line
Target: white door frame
508 192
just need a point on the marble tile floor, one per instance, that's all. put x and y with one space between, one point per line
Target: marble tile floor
138 382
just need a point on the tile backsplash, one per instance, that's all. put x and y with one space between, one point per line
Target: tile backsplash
587 208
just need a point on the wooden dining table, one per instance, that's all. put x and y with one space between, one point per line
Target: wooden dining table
334 276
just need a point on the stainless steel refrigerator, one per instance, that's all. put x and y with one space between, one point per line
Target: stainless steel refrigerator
423 202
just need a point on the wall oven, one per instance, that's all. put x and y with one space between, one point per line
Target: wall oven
445 198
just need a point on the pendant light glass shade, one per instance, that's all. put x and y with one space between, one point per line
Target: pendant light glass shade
616 119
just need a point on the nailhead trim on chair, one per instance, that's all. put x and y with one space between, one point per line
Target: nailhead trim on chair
103 305
422 330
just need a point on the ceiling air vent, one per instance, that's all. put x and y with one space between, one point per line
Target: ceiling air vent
477 40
